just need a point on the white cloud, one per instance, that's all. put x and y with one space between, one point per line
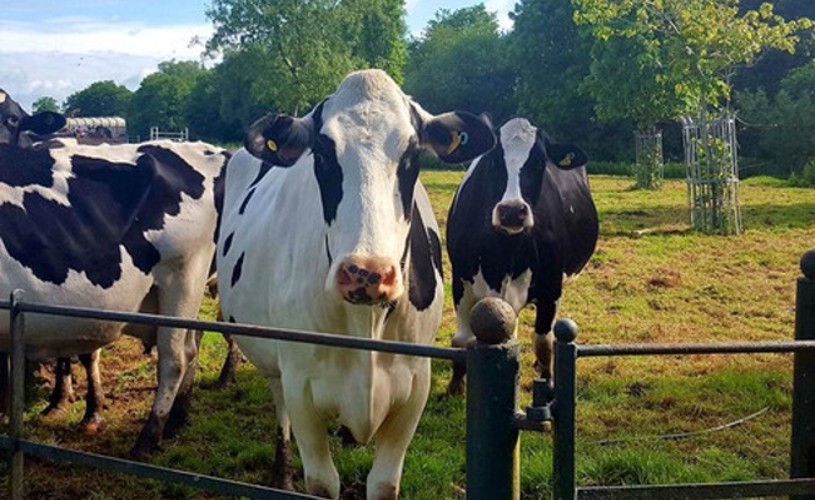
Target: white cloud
64 56
502 8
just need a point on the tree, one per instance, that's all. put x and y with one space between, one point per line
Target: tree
45 103
161 98
552 57
315 44
103 98
203 112
462 63
789 119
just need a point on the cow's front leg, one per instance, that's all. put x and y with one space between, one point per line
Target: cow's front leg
93 421
544 339
180 412
463 336
311 433
283 468
392 440
63 394
233 358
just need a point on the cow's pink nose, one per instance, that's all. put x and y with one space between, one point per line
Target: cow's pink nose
367 280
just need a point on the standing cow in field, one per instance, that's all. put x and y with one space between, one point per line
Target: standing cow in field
15 122
125 227
521 223
341 239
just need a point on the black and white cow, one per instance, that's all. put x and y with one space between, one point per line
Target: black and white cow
341 240
521 223
126 227
15 122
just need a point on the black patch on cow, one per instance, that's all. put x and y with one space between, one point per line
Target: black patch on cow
246 201
238 269
328 252
228 244
406 175
106 199
111 204
232 319
422 285
329 176
25 167
219 190
264 169
435 249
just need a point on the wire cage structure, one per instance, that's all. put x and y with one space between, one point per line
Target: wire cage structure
650 167
711 158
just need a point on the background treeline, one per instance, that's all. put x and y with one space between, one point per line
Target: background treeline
287 55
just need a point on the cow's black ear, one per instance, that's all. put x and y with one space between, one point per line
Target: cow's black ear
44 122
458 136
566 156
278 139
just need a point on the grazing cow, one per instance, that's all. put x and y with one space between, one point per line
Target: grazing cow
14 122
342 240
125 227
521 223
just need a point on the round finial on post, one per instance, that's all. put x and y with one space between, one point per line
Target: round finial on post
808 264
565 330
493 321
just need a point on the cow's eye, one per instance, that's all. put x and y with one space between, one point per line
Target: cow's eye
13 120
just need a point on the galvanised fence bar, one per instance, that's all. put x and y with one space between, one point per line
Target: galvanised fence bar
802 484
492 422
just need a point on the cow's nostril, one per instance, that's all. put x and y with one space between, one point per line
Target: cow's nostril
390 277
374 278
343 278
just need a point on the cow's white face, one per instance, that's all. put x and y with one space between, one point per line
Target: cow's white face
364 142
522 157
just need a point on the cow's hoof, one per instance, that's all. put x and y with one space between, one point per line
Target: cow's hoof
284 480
93 425
383 491
54 412
142 451
456 387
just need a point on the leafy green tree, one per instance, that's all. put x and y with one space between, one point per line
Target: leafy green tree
787 121
552 57
45 103
162 96
684 54
202 112
314 43
462 63
103 98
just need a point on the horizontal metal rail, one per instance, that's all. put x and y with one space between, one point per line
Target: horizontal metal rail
747 489
588 351
147 471
327 339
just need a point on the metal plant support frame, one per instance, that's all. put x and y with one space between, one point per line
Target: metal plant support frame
711 158
650 166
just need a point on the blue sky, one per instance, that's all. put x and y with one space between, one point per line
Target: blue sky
54 48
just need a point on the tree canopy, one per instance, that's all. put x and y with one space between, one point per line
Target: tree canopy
104 98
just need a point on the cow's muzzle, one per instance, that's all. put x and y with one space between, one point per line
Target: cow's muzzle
512 217
368 280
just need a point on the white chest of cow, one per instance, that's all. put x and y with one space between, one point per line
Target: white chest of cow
342 240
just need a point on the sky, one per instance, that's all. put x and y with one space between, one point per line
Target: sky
55 48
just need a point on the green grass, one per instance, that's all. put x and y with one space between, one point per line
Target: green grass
651 280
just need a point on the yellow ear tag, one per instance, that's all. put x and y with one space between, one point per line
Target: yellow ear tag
458 139
272 145
567 160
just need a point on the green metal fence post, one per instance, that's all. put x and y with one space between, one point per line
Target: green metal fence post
493 457
16 330
802 457
564 411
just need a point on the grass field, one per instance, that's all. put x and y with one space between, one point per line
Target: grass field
650 280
